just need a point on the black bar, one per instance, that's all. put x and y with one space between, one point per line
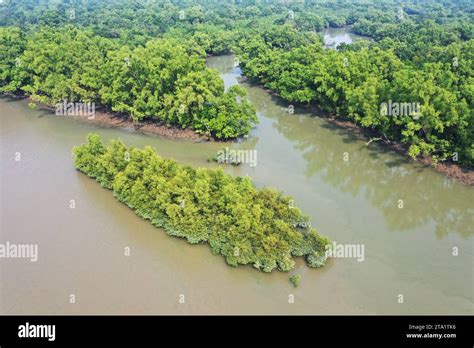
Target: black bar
290 330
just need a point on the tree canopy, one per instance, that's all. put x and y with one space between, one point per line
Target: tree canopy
246 225
146 59
164 81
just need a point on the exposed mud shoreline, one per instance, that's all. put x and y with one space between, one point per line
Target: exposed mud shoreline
116 120
448 168
147 127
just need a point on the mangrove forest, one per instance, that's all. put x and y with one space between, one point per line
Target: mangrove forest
260 227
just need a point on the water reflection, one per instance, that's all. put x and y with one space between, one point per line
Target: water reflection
407 250
333 37
384 177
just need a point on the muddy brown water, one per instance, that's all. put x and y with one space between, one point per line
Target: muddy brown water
408 251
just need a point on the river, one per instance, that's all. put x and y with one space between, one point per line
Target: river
333 37
408 251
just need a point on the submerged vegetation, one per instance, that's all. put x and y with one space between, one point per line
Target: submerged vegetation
244 224
295 280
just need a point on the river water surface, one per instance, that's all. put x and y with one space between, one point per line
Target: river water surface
408 251
333 37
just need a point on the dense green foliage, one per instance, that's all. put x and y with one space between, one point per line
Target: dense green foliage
416 59
422 52
354 84
240 222
219 22
295 280
163 81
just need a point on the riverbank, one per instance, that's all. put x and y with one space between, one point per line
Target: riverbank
447 168
300 155
116 120
145 127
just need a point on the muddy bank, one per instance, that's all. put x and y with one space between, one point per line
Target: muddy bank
147 127
448 168
116 120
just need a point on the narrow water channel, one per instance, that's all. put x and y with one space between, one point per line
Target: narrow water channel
408 251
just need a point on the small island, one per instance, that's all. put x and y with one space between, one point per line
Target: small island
261 227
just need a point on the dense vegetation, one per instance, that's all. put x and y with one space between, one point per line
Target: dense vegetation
354 83
163 81
240 222
215 25
422 52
